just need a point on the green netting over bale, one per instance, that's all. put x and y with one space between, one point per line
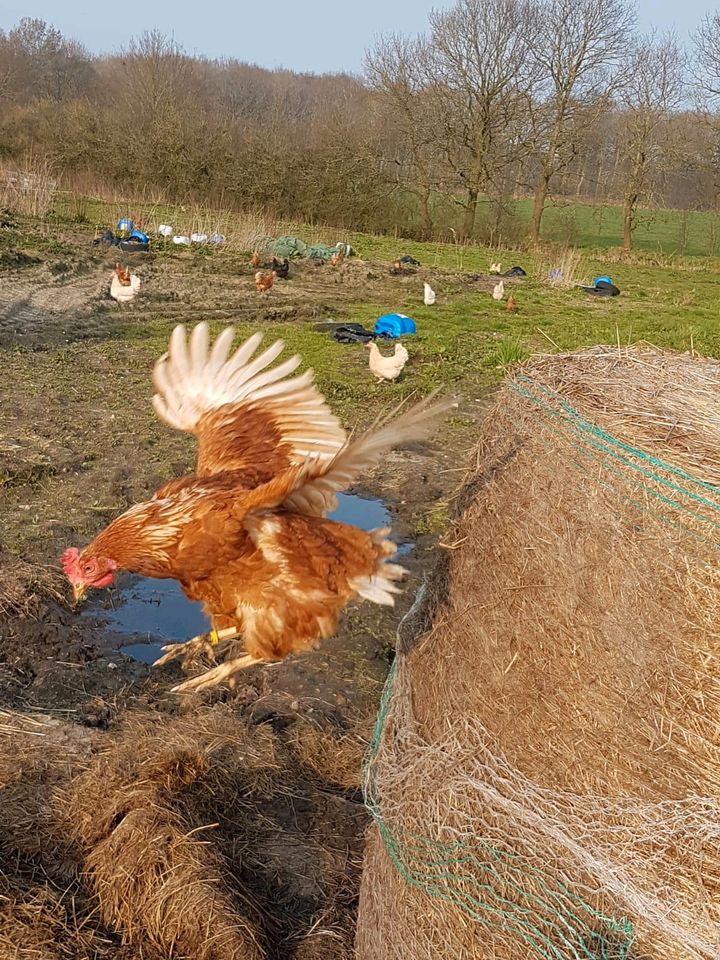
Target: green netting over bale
545 776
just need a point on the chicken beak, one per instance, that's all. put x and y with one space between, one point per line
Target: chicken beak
79 591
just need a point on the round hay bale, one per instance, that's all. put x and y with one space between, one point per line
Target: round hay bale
545 776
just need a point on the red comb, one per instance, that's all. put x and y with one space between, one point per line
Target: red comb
71 561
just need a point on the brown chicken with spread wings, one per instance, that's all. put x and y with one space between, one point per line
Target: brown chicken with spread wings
247 534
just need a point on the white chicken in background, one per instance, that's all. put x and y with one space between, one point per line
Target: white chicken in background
387 368
429 295
124 285
498 291
495 267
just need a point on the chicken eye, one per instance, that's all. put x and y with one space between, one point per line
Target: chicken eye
89 568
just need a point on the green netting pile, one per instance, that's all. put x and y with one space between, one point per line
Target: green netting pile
294 248
545 772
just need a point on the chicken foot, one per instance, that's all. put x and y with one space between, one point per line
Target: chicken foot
189 651
223 673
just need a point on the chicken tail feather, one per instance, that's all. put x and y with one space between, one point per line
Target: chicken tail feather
381 585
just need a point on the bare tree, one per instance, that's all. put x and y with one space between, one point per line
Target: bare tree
45 63
479 73
577 55
707 57
706 79
654 87
395 71
455 119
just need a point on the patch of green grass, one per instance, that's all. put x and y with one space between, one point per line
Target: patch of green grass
681 232
505 353
589 225
466 340
434 521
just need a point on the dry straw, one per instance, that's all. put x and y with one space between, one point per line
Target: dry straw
114 837
193 837
29 190
545 778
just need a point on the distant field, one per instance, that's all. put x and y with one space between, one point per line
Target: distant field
587 226
684 232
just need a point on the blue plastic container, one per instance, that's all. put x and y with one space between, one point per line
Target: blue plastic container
125 225
598 280
394 325
139 235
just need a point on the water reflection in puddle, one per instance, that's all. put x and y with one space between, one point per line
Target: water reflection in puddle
159 611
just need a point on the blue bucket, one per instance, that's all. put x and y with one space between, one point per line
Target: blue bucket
598 280
125 225
139 235
394 325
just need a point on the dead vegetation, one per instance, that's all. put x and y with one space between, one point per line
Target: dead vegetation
173 838
547 779
28 189
337 759
23 585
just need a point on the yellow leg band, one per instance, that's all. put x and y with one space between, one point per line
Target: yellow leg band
214 638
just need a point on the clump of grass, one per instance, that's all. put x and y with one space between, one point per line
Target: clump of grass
507 352
154 877
434 521
563 271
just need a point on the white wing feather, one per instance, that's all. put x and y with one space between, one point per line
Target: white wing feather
193 380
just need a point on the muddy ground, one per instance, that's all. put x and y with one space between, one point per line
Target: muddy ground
78 444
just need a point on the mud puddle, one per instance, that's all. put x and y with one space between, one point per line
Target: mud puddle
156 612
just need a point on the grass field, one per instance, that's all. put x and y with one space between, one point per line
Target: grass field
585 224
669 232
670 301
79 443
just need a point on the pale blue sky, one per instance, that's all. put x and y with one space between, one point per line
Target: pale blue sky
314 35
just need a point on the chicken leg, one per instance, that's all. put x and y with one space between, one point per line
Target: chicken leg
189 651
223 673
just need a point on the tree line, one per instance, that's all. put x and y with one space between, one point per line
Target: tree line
440 134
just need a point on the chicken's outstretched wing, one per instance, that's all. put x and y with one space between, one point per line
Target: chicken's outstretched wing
244 413
311 488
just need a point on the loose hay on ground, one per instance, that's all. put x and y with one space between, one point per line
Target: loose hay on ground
546 779
135 814
172 838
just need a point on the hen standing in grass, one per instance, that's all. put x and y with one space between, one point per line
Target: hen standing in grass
247 534
387 368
